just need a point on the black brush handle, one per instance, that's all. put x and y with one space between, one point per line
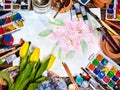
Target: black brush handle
106 39
104 29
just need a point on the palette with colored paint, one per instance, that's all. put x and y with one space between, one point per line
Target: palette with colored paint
10 23
106 70
113 11
14 4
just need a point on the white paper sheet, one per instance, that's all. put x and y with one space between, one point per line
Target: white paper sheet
34 23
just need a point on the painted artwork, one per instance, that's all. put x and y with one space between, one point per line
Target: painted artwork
71 36
70 41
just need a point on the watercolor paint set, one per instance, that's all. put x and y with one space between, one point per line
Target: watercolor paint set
113 12
106 71
14 4
10 22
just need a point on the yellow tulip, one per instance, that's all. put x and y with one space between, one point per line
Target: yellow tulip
35 55
52 59
24 49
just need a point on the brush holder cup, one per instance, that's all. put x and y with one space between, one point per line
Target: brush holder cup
56 5
102 3
109 51
41 6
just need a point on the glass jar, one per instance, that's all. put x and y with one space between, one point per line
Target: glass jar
41 6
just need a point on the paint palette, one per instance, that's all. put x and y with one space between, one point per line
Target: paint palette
113 12
10 22
106 70
14 4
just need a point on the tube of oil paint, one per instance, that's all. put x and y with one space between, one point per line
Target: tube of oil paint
73 13
78 11
84 13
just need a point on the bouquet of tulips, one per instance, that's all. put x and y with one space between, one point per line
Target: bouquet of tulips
30 69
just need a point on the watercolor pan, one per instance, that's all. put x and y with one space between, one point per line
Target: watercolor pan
10 22
106 70
15 5
113 12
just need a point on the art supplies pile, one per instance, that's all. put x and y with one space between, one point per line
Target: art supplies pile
69 35
10 22
9 53
30 70
105 71
111 42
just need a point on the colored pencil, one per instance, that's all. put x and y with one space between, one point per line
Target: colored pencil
70 75
109 28
112 24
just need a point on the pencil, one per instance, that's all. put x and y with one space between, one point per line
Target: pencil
109 28
112 24
70 75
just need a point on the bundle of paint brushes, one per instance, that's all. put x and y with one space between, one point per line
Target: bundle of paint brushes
106 35
9 53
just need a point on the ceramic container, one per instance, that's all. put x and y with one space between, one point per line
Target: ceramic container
66 8
109 51
102 3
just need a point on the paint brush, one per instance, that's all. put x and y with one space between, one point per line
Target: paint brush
95 83
104 29
109 28
101 84
9 53
70 75
61 6
112 46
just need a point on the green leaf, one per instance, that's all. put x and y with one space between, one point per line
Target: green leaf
38 65
5 76
1 62
45 33
32 75
70 54
23 63
58 22
41 79
42 68
23 84
84 45
32 86
54 48
11 87
23 75
60 53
